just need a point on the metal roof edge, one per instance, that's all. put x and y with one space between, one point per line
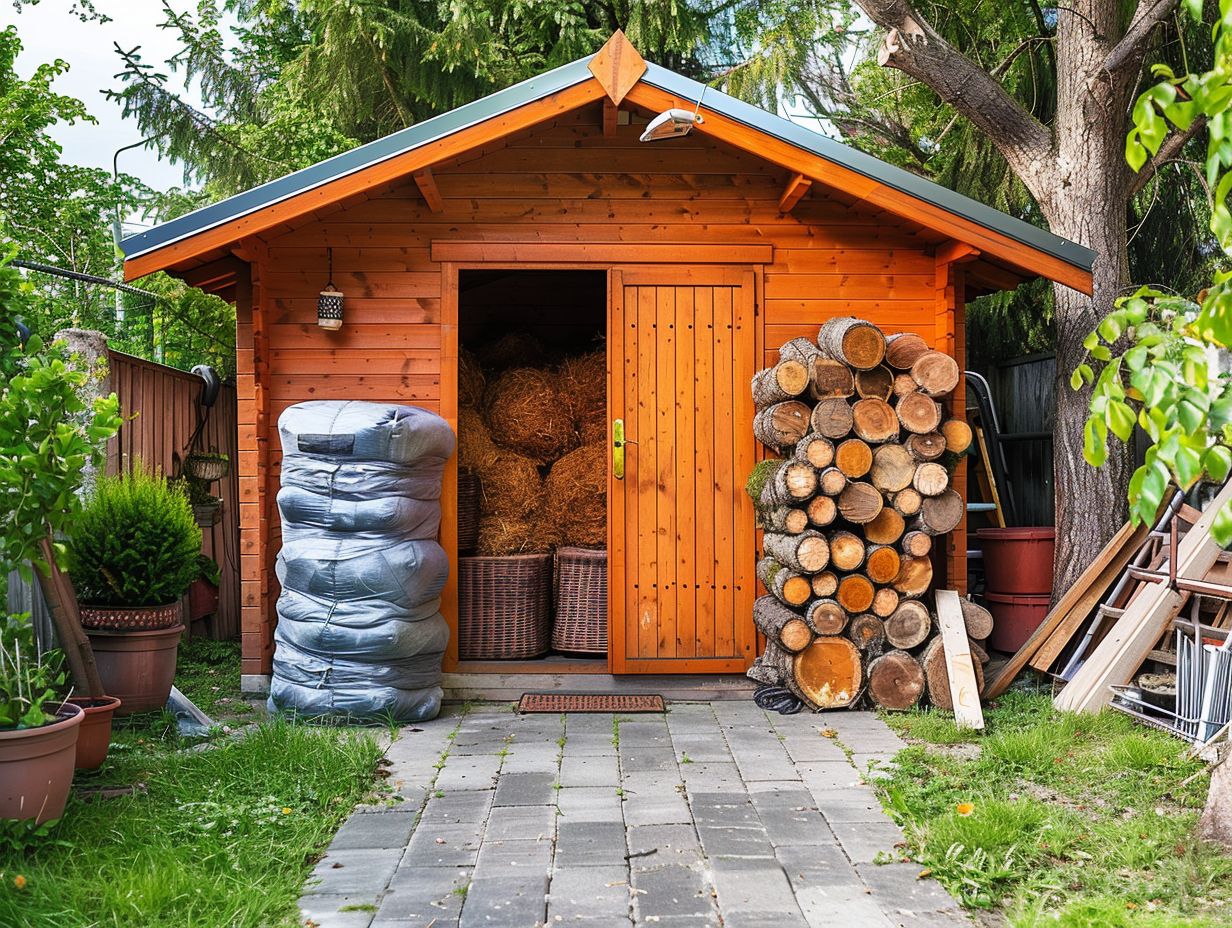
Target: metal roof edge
874 168
357 159
543 85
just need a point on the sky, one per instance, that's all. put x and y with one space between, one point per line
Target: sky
49 30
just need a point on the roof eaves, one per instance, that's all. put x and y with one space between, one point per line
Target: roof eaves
873 168
357 159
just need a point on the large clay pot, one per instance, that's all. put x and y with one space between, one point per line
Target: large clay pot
36 767
95 738
138 667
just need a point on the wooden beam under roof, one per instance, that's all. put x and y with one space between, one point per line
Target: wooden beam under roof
428 190
611 114
797 186
216 275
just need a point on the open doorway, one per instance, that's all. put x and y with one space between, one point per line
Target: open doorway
533 466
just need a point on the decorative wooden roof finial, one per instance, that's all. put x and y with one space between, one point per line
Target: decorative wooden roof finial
617 66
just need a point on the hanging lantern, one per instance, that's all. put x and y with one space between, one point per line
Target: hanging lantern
329 303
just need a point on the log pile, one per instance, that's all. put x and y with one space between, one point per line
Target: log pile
850 508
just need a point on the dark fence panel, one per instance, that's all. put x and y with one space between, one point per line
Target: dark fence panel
1022 392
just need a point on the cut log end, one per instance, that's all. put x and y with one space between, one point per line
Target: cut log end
874 420
909 625
958 435
895 680
936 373
853 457
918 413
832 418
855 593
829 673
903 350
860 502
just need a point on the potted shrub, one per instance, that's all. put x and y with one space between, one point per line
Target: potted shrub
38 729
203 592
132 555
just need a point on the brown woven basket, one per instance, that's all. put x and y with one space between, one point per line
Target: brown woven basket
581 601
131 618
503 607
468 510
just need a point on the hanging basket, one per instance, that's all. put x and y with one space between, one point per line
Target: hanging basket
208 514
469 492
207 467
503 607
580 625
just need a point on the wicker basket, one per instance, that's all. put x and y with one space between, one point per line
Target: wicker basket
207 467
503 605
581 601
131 619
468 511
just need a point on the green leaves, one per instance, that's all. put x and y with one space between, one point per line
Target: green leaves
1161 382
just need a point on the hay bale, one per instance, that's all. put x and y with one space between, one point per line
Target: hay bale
471 382
510 485
513 349
583 381
500 536
526 413
575 497
476 452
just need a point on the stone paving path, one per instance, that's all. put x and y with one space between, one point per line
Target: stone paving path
715 814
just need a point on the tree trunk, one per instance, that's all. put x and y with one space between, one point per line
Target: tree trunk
1216 821
1087 204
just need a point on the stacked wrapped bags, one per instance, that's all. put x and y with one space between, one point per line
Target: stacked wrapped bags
360 632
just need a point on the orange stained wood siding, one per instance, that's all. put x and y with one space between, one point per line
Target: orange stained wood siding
680 527
564 182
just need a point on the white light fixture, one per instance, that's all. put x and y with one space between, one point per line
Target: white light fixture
674 123
671 124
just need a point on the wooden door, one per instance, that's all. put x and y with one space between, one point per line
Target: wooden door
681 349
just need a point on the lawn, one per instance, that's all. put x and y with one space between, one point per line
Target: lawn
1060 820
216 837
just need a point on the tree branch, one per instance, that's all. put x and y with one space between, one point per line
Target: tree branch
1171 148
915 48
1127 54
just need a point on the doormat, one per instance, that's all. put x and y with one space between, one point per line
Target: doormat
577 702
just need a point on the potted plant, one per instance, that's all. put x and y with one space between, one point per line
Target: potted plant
203 592
132 555
38 729
206 506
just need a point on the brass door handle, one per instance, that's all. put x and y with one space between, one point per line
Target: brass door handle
618 448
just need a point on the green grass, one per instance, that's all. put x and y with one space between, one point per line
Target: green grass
217 837
1076 821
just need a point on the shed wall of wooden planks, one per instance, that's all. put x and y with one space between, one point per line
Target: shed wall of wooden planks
160 409
564 182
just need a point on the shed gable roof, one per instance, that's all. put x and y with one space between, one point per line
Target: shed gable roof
829 162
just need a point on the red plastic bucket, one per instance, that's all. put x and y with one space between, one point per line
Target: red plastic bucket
1018 560
1014 619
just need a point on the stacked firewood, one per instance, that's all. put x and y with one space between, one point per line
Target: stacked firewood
850 509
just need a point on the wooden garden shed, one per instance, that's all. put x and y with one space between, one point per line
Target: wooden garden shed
705 251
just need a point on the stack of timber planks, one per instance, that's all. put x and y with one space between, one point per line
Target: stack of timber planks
1116 618
849 508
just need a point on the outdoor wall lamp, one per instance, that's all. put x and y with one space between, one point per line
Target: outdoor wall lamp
329 303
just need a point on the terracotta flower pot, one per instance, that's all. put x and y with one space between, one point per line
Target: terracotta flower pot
36 767
1018 561
202 599
138 667
95 738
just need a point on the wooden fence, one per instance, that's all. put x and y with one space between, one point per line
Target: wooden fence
161 409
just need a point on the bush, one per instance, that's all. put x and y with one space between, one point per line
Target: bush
135 544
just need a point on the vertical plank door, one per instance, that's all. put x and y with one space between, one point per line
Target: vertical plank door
681 353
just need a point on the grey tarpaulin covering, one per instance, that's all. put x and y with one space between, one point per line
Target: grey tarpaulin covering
360 631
